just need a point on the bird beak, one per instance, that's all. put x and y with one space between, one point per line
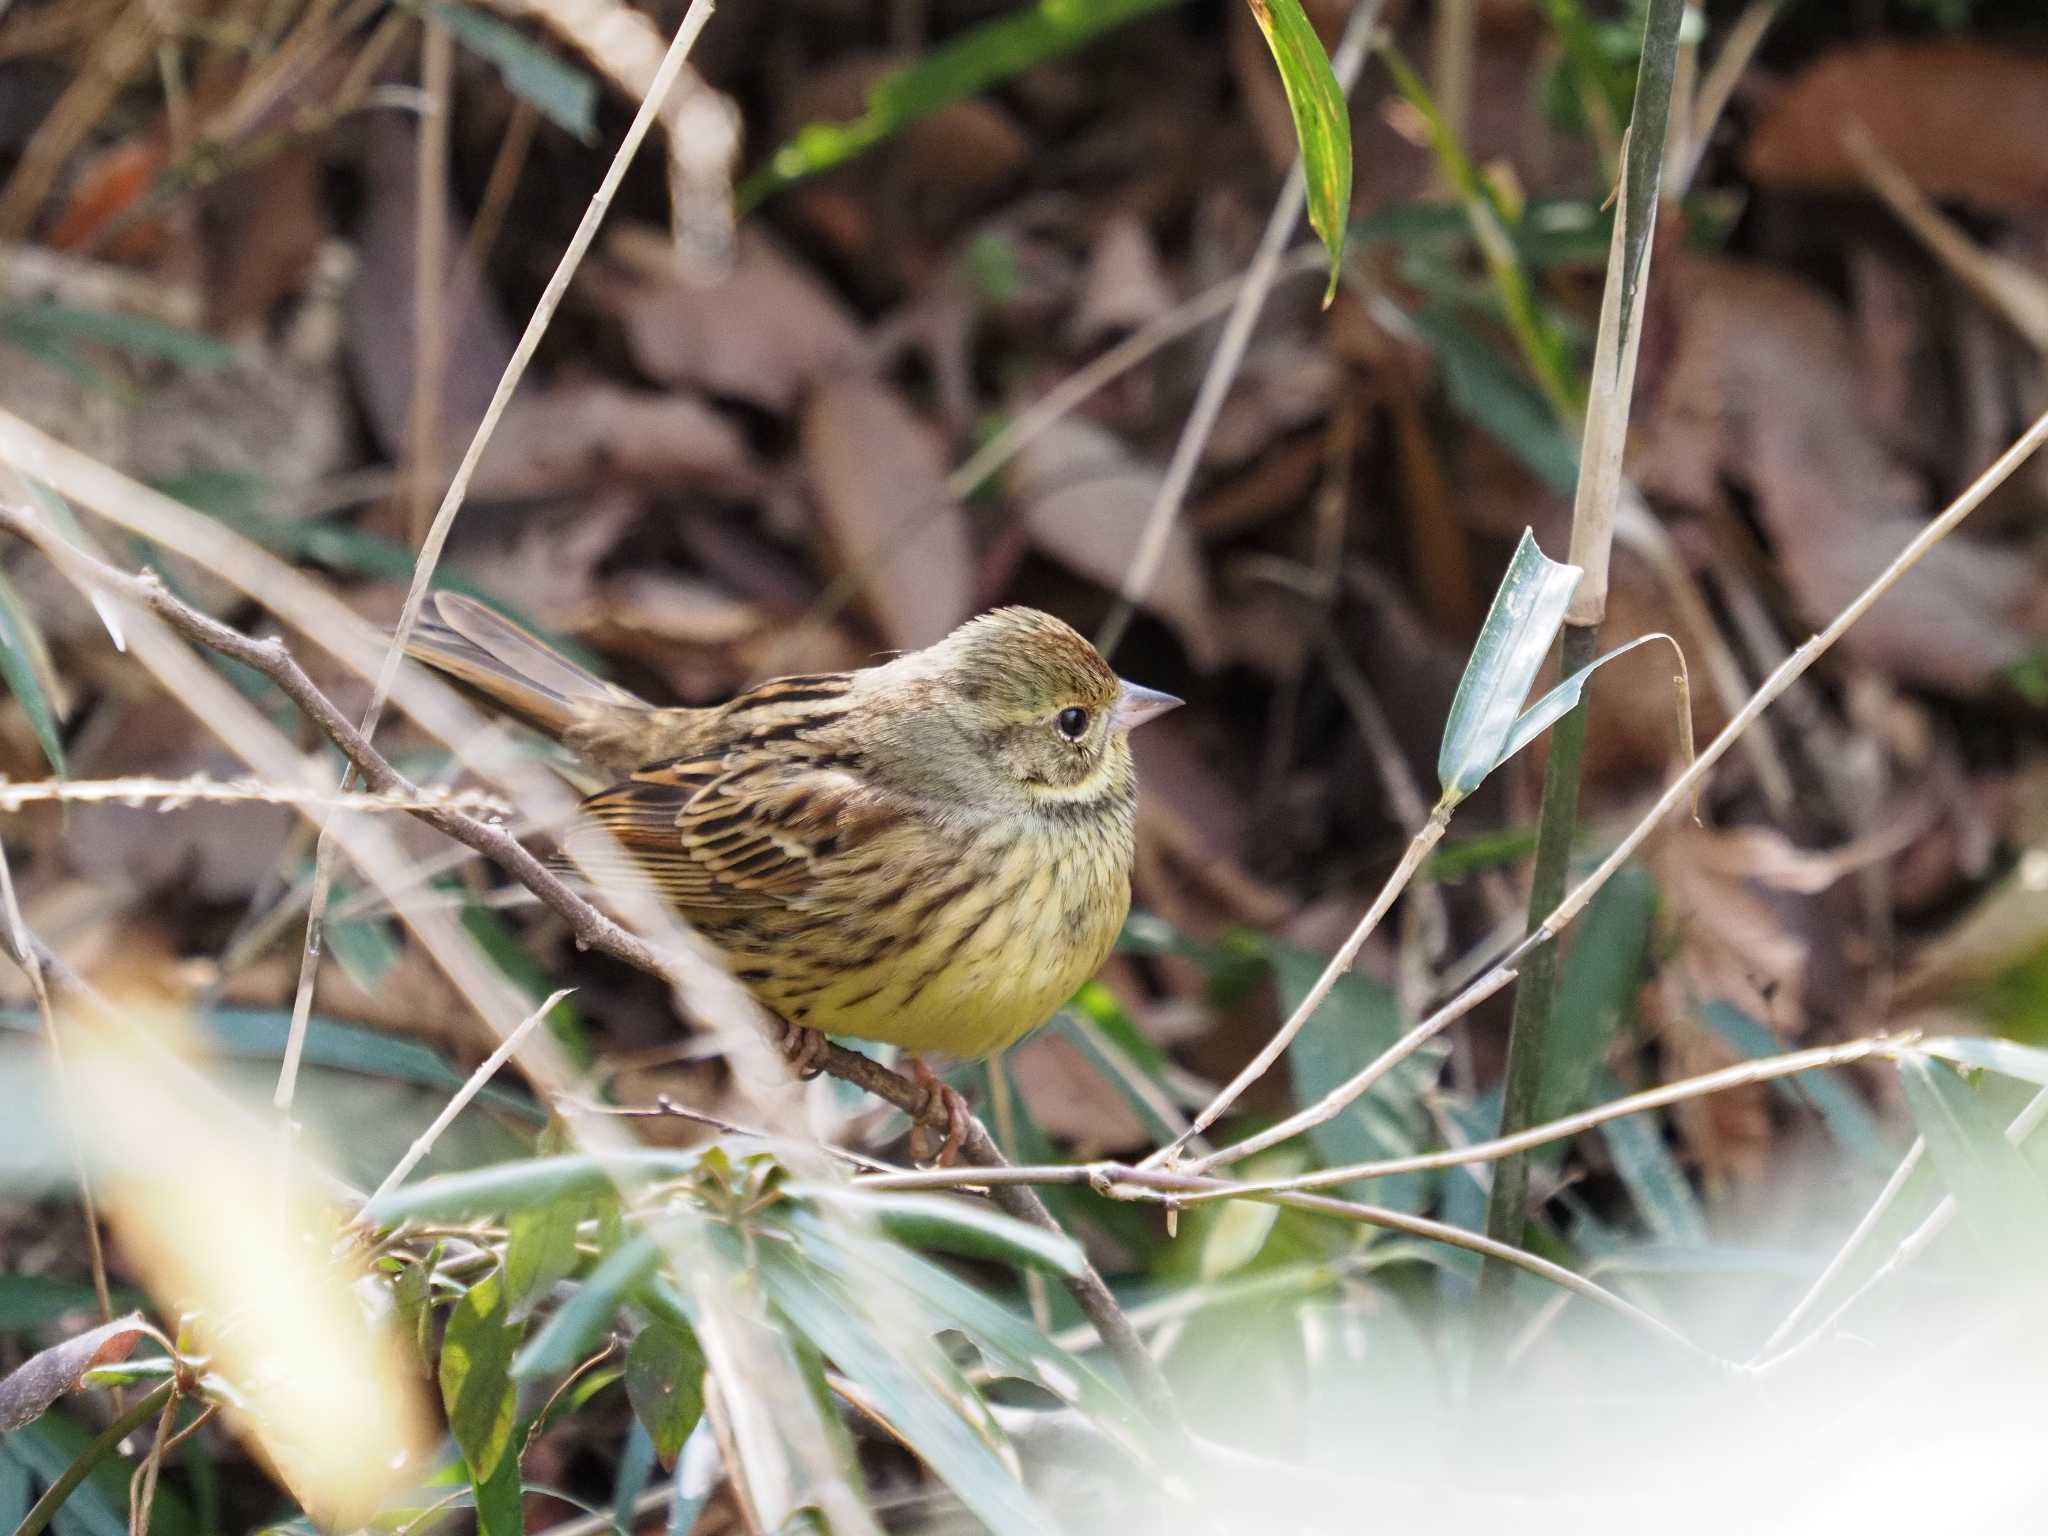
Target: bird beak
1135 705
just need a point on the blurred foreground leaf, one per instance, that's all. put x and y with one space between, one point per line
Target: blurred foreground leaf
558 90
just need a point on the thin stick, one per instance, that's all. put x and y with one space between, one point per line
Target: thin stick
1340 963
177 793
1741 1075
1229 354
430 270
486 1070
1718 89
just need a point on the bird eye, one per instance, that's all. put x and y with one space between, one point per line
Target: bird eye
1073 722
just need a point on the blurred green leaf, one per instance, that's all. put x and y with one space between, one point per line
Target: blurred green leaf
962 1227
1513 642
42 324
523 1185
30 1301
1356 1023
1655 1181
476 1378
1850 1121
1498 400
1322 121
2002 1199
981 57
25 668
665 1384
15 1493
540 1250
560 91
570 1335
1597 989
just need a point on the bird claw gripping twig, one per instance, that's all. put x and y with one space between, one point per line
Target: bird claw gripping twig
945 1111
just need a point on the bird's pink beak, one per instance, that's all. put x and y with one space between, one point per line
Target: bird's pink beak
1135 705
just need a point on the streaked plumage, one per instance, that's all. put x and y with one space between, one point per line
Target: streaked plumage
926 852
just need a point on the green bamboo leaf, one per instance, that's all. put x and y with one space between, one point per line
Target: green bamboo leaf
1596 991
665 1385
945 1422
955 1226
569 1337
2008 1058
25 668
524 1185
540 1249
1561 700
981 57
476 1378
1509 652
2000 1195
1322 121
560 91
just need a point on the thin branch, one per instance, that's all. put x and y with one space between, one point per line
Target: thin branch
1173 1188
176 794
1340 964
459 1101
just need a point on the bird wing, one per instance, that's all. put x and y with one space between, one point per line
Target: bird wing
748 822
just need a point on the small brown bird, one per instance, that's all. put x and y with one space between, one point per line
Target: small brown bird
934 852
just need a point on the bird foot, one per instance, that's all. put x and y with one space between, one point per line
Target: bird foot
804 1049
945 1111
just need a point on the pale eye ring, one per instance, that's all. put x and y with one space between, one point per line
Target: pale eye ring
1072 722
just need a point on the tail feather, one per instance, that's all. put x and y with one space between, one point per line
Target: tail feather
511 667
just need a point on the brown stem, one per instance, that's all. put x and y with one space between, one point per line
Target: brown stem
592 928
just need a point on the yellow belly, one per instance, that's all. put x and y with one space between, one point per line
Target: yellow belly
982 972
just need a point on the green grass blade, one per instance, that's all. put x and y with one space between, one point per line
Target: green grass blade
25 668
1322 121
986 55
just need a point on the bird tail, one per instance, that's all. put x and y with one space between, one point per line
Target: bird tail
513 669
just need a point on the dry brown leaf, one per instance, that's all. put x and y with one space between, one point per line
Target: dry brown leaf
878 474
1735 943
1068 1098
381 308
763 335
584 435
1762 393
1123 287
40 1380
1961 120
1085 497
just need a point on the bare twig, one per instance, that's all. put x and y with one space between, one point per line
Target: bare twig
175 794
486 1070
